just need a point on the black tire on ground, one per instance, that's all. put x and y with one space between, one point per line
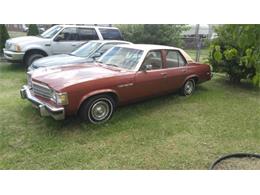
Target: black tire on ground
32 57
188 87
97 109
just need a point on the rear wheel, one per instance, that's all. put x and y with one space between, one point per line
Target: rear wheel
31 58
188 87
97 109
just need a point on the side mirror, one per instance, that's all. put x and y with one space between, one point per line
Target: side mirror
96 55
147 67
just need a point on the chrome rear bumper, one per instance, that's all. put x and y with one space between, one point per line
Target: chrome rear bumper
58 113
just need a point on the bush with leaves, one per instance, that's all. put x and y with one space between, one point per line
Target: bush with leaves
3 36
164 34
33 30
236 51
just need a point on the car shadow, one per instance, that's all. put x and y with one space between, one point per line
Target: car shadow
123 113
11 67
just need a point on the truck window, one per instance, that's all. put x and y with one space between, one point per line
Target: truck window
86 34
110 34
69 34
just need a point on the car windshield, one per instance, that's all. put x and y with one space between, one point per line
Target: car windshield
51 32
126 58
86 49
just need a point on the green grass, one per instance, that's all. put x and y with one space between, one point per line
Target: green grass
170 132
204 54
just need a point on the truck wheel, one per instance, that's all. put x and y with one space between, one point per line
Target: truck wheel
97 109
29 59
188 87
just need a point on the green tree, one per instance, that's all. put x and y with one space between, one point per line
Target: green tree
33 30
164 34
236 51
3 36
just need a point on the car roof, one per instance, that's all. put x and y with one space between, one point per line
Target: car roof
110 41
148 47
84 26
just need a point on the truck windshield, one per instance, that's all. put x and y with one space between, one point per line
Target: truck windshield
51 32
86 49
126 58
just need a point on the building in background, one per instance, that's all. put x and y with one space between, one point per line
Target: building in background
203 32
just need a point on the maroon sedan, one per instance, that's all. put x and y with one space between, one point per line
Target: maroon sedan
124 74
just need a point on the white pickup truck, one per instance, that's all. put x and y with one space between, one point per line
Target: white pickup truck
59 39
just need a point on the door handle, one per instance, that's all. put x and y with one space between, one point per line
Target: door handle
164 74
74 45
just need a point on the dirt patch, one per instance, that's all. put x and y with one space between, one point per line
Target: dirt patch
239 164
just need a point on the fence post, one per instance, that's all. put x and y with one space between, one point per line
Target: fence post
198 42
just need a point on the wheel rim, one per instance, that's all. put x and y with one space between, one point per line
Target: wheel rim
188 88
100 110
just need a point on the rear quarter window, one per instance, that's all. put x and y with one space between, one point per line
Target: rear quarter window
110 34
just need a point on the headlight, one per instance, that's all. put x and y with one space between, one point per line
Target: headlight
62 98
15 47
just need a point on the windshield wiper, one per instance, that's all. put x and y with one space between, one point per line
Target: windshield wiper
112 65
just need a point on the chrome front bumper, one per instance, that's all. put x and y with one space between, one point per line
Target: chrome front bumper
13 56
45 109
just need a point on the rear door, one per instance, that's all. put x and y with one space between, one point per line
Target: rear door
151 82
176 69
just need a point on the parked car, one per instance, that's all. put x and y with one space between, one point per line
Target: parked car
86 53
124 74
59 39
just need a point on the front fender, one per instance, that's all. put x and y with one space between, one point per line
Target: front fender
46 49
97 92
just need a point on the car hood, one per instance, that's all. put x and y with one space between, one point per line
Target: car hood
59 60
25 40
59 77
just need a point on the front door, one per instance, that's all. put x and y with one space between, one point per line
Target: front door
151 82
66 41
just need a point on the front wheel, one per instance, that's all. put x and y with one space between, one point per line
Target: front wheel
31 58
188 87
97 109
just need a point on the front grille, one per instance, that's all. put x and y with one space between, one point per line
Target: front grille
42 90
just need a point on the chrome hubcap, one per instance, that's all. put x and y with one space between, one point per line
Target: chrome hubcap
188 87
100 110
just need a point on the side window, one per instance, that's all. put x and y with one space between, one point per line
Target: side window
174 59
110 34
105 47
182 62
86 34
68 34
153 58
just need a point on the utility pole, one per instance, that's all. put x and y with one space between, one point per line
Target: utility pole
198 42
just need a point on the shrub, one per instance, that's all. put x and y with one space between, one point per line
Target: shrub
33 30
236 51
164 34
3 36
